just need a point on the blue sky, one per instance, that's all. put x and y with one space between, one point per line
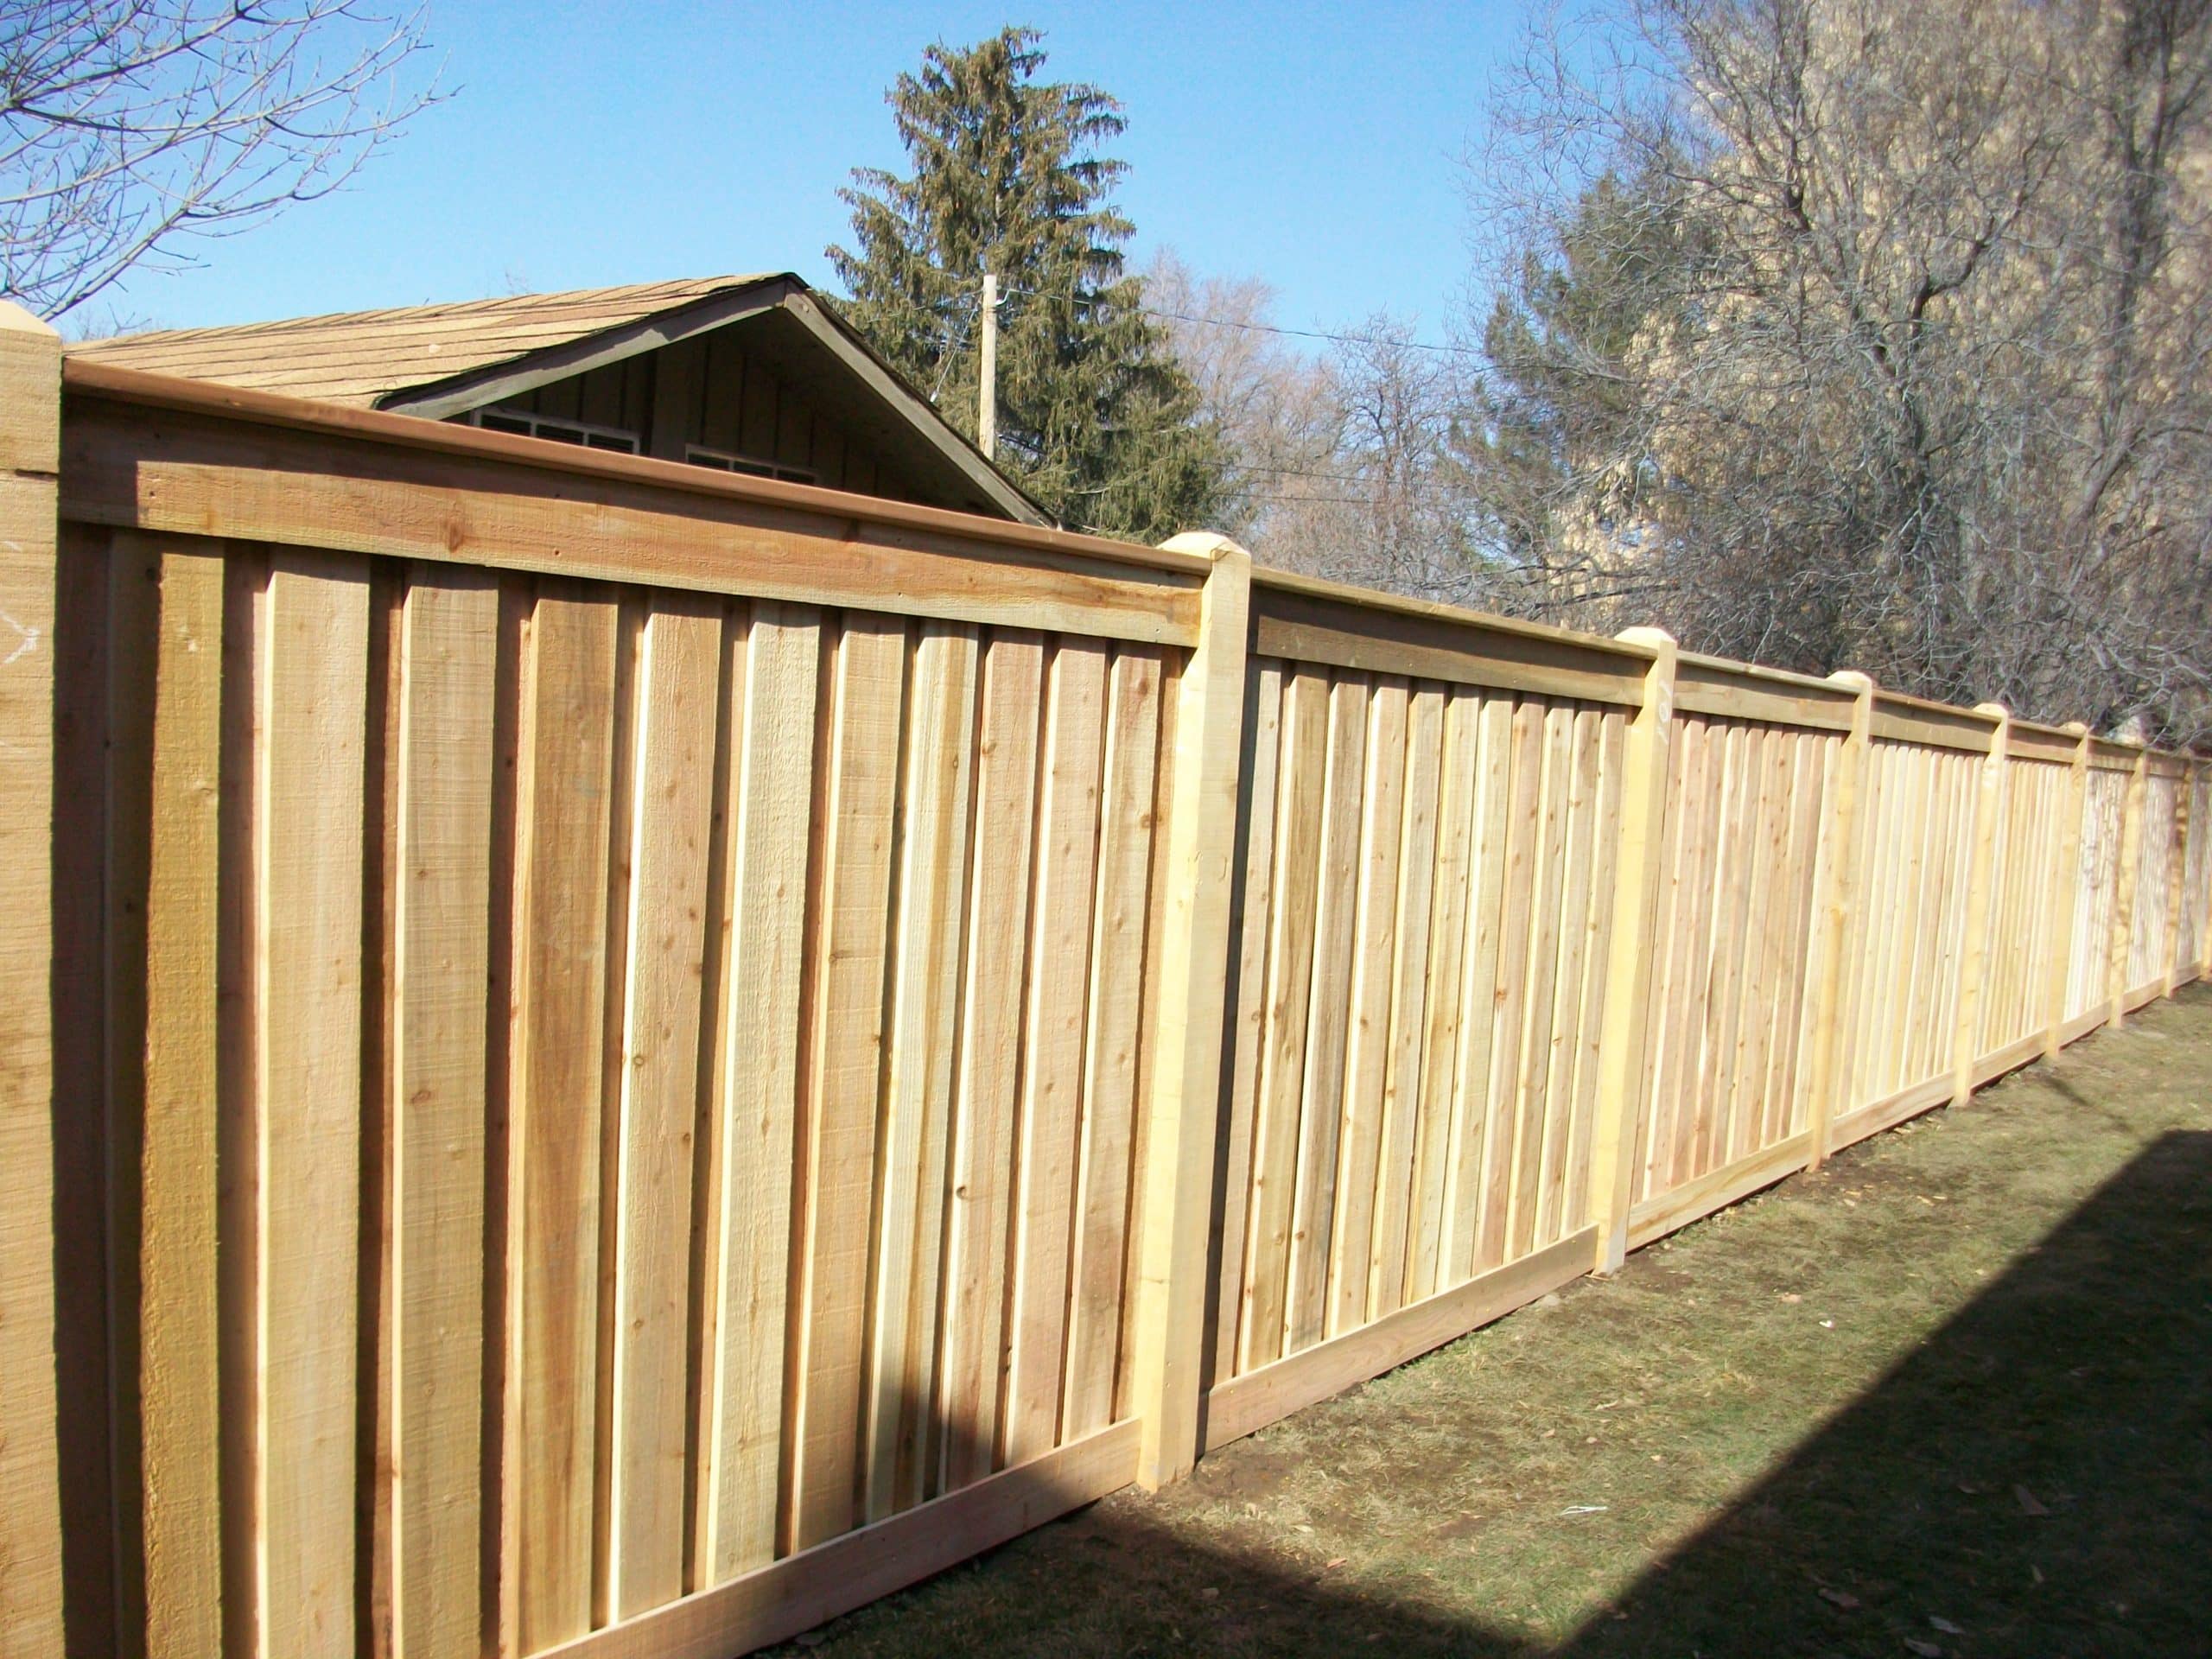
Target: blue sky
1313 146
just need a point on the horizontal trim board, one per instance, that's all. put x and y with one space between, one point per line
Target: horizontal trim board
1244 1404
2053 750
1655 1217
1934 726
2081 1025
85 383
1889 1113
194 476
2105 755
1707 686
1345 633
776 1603
2010 1058
2149 992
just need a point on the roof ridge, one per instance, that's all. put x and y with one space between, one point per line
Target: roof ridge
683 290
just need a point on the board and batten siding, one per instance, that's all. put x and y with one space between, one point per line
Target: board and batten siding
709 391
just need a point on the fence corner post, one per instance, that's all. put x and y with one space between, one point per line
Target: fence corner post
2066 895
1982 882
1842 898
30 1491
1188 1020
1625 1032
2130 870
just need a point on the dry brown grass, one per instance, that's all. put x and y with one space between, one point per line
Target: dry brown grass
1819 1422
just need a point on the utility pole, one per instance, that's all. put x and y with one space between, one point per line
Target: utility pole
987 415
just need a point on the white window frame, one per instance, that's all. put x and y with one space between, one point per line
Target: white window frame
725 461
607 439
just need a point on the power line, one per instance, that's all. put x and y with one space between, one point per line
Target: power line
1259 327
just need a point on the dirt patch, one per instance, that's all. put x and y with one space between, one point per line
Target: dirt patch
1950 1394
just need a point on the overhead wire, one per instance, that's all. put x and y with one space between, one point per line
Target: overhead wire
1258 327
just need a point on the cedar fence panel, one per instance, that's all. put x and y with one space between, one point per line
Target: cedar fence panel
640 1057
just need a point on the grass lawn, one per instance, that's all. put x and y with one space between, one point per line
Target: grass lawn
1951 1396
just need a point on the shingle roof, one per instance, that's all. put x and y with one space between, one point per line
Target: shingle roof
358 357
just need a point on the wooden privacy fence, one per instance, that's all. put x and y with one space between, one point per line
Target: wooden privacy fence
608 1059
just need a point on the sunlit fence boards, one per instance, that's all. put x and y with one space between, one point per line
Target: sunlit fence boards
640 1057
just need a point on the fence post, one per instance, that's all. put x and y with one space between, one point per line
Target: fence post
1982 882
1188 1021
1624 1036
30 1491
2130 870
2177 877
1841 899
2204 915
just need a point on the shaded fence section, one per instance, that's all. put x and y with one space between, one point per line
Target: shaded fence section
640 1057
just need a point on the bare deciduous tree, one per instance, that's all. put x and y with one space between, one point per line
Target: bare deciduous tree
127 126
1343 460
1854 331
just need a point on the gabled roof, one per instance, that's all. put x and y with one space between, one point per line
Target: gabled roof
438 360
361 357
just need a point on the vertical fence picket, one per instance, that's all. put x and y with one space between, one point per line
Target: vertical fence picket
1842 907
2125 906
1985 849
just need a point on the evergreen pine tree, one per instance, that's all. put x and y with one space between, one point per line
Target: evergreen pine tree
1095 417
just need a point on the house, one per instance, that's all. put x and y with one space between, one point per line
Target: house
745 374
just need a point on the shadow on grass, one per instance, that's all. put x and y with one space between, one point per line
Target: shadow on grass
2037 1476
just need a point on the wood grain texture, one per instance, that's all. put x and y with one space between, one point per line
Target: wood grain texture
1301 774
1116 958
1328 1025
1052 1042
1397 1134
985 1110
670 834
436 1114
1435 1162
933 886
202 474
179 1405
768 819
806 1590
556 1056
1177 1142
1373 982
308 1000
845 1068
30 1504
1249 919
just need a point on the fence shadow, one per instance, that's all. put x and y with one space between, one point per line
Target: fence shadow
2037 1477
2039 1474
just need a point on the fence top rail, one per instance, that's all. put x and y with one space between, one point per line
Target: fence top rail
2110 754
1305 620
243 467
1376 598
1719 685
2046 745
301 414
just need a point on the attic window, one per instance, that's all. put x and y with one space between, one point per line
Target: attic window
751 465
524 424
